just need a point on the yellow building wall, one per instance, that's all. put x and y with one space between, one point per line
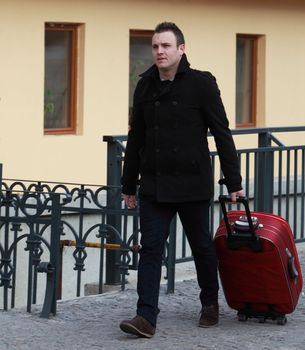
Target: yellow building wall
210 28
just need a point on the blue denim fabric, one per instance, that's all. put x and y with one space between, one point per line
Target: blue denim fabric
155 219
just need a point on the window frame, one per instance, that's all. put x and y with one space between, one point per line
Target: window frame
136 33
254 74
74 29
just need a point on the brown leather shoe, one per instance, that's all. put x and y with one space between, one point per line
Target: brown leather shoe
138 326
209 316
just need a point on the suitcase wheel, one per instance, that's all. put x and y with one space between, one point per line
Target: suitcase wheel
261 319
242 317
282 320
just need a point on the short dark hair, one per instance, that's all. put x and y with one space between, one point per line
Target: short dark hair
171 27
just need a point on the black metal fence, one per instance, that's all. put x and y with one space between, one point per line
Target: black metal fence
61 248
33 222
79 234
273 180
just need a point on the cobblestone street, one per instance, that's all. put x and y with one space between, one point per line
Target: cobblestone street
93 323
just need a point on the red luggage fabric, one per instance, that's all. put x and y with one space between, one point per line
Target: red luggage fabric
264 281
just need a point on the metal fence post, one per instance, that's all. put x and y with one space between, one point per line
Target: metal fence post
55 244
114 171
263 200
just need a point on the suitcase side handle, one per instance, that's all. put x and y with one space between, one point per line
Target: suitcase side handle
237 240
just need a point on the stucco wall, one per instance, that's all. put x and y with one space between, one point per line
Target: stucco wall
210 28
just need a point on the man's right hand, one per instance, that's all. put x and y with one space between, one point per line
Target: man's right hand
130 201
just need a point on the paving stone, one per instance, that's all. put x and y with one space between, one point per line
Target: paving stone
92 322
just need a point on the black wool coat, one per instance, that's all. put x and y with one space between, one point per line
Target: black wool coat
167 143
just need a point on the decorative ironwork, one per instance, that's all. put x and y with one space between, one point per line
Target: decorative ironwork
84 212
24 218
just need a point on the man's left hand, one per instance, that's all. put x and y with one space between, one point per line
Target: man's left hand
235 195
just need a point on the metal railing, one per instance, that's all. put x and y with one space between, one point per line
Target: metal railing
32 222
85 216
273 180
91 221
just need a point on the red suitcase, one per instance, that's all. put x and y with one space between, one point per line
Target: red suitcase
258 264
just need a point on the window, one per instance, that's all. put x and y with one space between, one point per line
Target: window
140 58
60 88
246 80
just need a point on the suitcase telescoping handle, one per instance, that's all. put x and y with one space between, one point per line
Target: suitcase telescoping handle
223 199
235 240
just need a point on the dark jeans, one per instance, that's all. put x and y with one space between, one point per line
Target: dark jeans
155 219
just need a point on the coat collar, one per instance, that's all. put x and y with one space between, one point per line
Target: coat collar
184 66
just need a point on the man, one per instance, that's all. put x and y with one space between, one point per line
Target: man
174 106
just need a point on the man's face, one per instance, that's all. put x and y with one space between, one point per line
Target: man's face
166 54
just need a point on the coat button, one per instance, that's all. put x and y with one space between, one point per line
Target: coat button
158 173
157 103
157 150
156 127
175 103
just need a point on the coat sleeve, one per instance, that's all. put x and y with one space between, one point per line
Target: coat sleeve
218 125
135 141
